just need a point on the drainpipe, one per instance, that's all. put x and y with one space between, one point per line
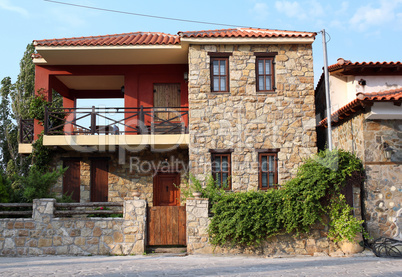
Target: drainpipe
327 93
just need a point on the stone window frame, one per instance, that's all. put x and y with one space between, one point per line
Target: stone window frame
222 153
265 56
219 56
267 153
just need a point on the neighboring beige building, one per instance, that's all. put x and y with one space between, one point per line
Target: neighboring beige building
367 120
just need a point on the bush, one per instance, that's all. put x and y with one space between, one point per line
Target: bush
247 218
212 190
4 195
37 183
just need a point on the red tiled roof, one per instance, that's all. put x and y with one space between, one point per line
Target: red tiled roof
153 38
245 33
389 95
359 103
360 64
138 38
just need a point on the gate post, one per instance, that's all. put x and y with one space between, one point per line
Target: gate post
197 226
134 226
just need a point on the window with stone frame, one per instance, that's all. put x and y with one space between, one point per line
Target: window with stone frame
265 71
221 168
219 71
268 169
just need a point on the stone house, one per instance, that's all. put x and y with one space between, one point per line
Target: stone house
238 103
367 120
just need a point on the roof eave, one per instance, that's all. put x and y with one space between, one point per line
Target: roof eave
247 40
106 47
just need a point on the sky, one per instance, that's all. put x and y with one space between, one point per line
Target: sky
359 30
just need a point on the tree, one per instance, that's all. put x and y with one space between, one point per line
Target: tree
11 112
5 122
25 85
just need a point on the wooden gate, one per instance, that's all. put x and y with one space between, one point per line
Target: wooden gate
166 225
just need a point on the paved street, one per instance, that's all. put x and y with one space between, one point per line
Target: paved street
160 265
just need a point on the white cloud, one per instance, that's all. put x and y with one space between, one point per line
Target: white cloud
302 10
5 5
260 11
399 21
315 9
290 9
343 9
68 17
369 16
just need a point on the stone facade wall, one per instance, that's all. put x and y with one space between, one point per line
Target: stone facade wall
245 120
349 136
314 243
136 173
43 234
383 186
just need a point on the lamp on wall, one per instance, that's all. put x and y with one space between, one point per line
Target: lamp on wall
362 82
387 150
185 76
122 89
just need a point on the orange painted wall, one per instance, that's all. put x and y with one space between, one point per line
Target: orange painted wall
138 81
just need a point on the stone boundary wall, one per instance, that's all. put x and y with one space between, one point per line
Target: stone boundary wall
315 243
43 234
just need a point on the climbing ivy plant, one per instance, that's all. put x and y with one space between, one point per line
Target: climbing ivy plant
248 218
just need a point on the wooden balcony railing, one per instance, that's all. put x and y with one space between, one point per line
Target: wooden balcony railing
26 130
117 121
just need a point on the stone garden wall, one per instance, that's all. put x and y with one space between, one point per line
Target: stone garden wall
315 243
43 234
246 120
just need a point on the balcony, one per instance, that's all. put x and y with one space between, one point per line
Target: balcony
67 127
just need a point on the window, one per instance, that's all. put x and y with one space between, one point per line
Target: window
219 71
265 72
221 169
268 169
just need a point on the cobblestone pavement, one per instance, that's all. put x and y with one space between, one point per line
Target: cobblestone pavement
154 265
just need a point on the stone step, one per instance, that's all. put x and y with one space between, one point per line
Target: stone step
166 249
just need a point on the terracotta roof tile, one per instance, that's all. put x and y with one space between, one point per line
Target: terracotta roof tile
154 38
358 104
389 95
345 64
138 38
245 33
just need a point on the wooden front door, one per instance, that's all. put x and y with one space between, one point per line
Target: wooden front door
99 180
71 179
165 191
166 219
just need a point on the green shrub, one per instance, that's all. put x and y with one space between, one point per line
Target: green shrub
212 190
4 195
247 218
344 226
37 183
